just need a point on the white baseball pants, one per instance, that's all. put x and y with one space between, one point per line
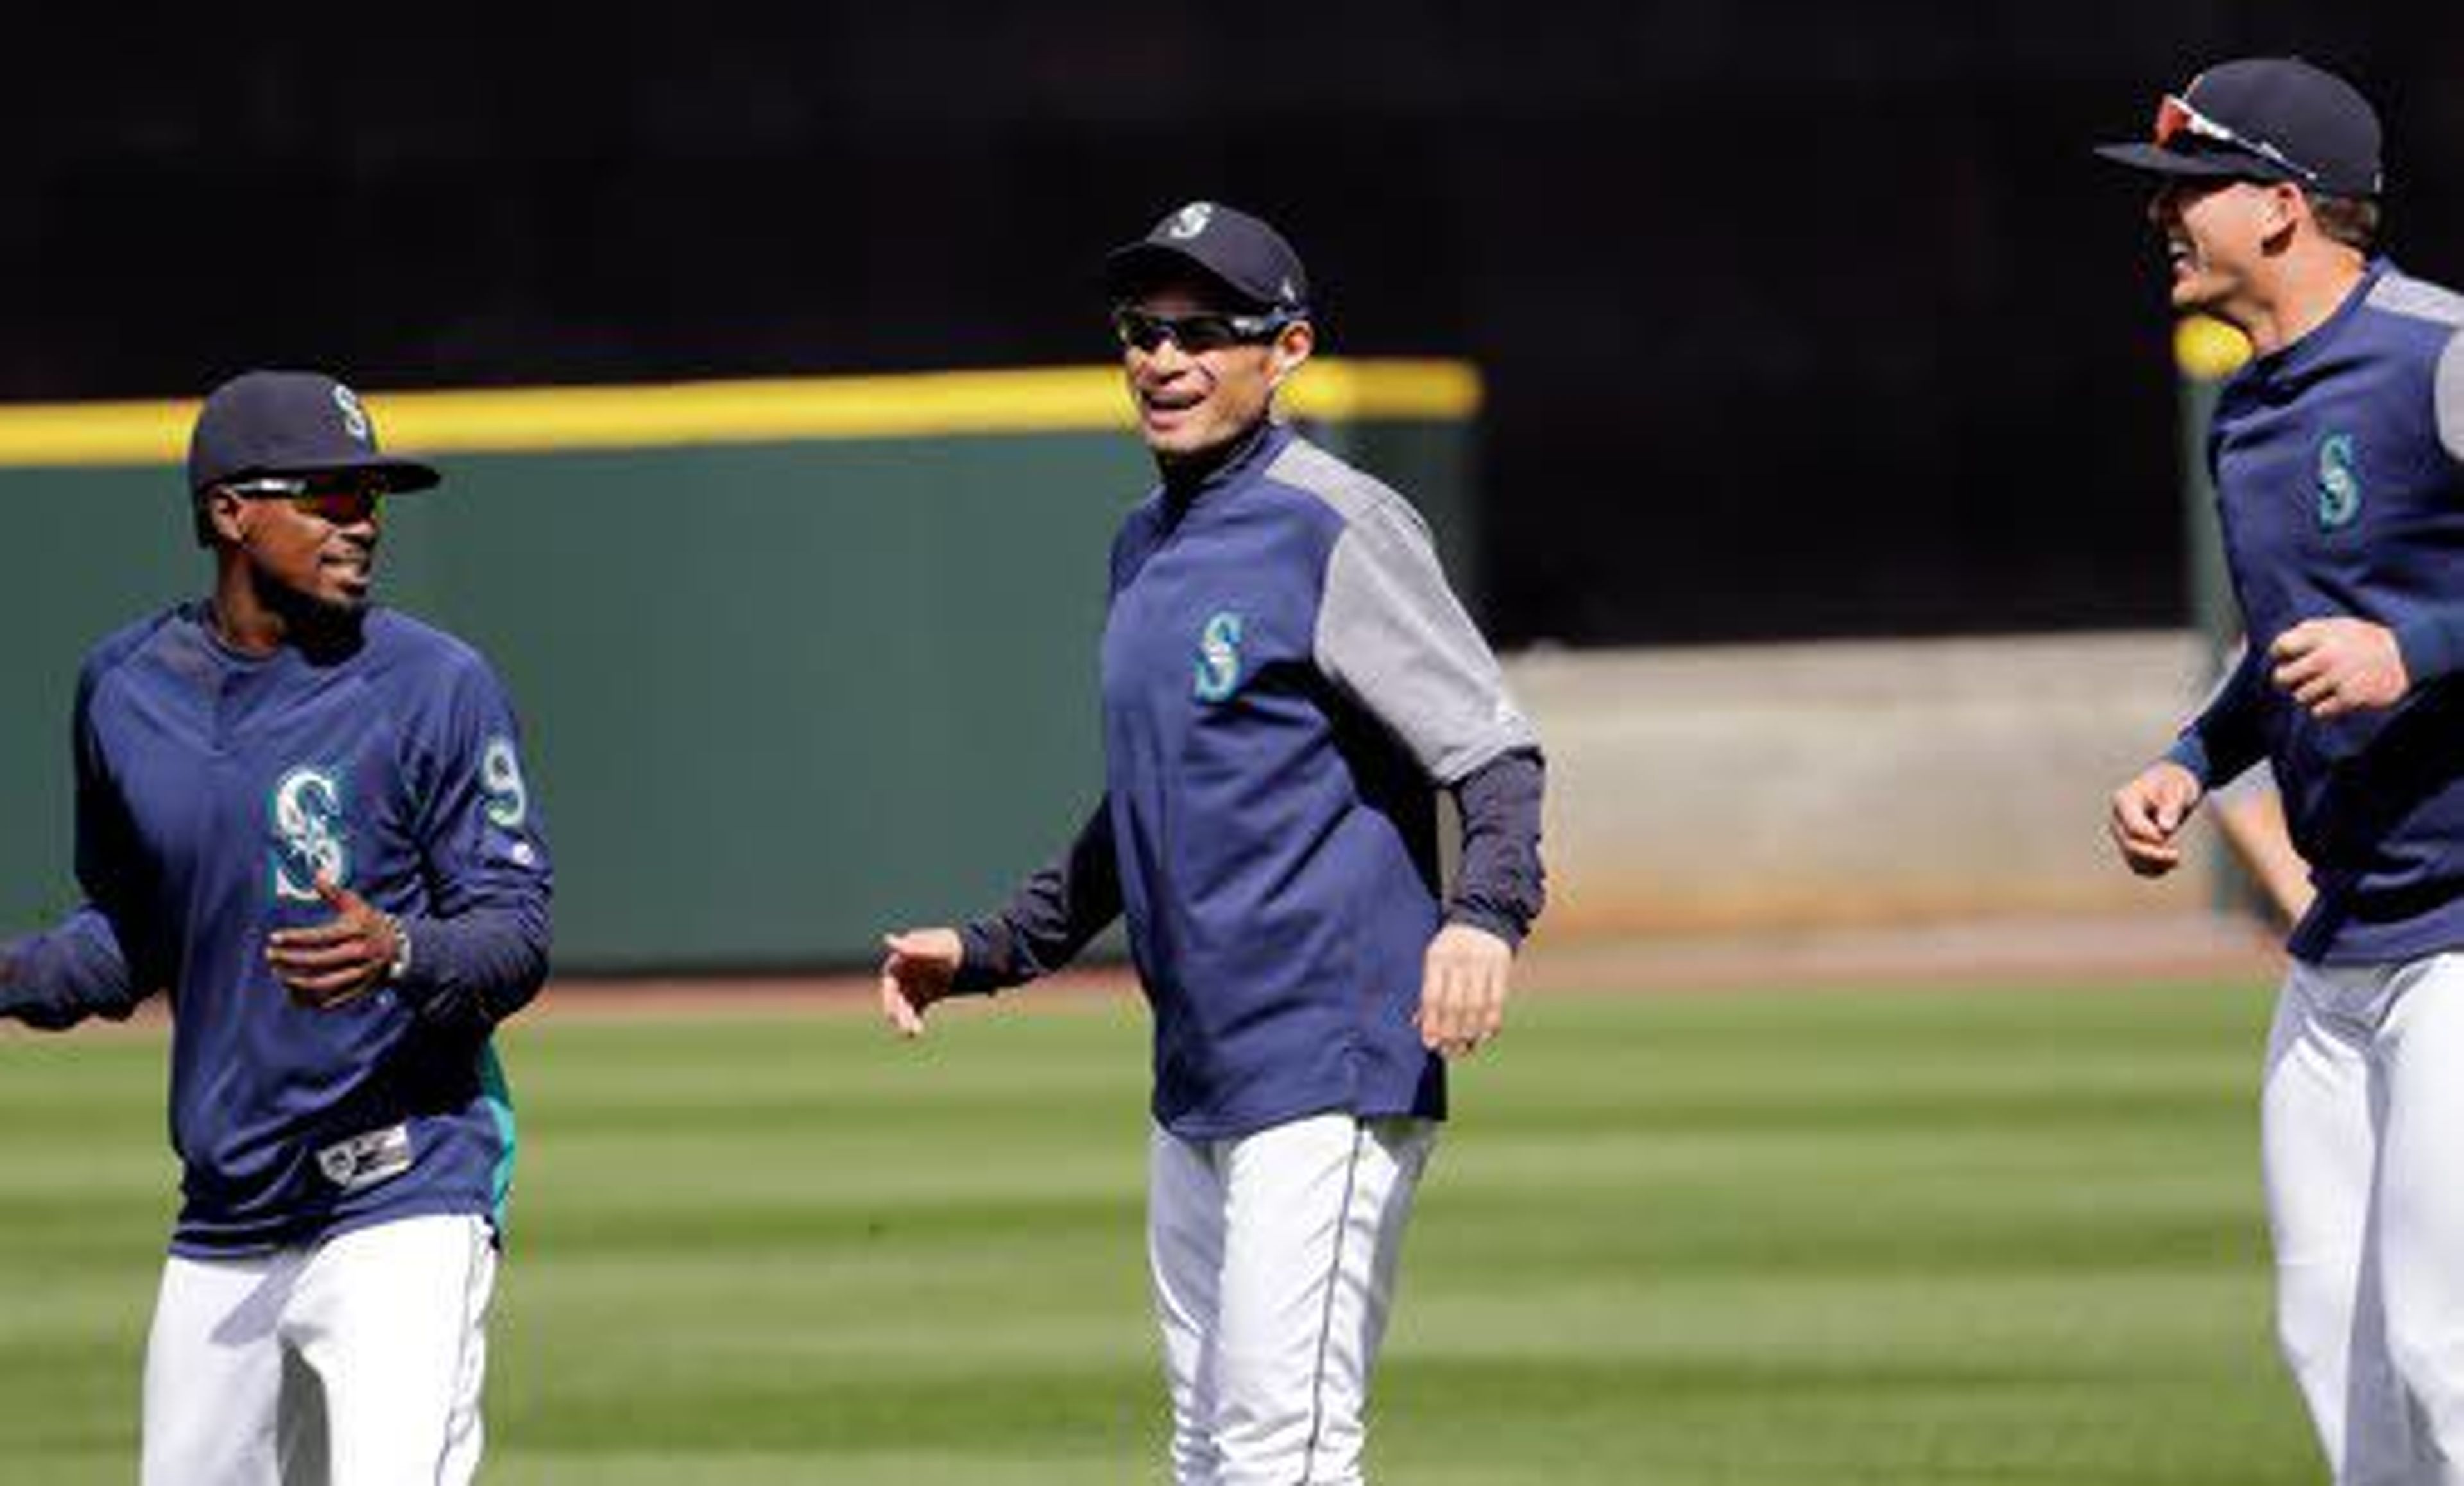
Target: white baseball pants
1274 1259
2362 1141
355 1362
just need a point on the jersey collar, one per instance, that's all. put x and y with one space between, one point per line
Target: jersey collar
2290 359
1250 451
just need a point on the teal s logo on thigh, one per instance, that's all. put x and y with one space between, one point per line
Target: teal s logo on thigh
2340 483
1219 657
309 838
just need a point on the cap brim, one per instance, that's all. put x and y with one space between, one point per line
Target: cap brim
2156 160
404 476
1138 266
401 475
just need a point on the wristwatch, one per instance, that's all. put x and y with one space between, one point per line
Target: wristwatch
401 963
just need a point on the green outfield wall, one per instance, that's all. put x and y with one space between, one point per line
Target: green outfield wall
797 660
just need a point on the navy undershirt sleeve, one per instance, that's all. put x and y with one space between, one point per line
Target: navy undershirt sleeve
56 979
478 968
2225 739
1501 884
481 954
1050 918
87 966
2433 645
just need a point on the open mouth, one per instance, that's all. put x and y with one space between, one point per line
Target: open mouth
1173 401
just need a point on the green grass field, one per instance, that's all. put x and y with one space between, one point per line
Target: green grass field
1900 1238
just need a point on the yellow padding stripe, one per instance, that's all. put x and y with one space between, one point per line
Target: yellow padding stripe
923 405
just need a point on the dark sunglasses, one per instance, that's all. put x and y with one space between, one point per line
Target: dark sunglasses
1200 330
337 500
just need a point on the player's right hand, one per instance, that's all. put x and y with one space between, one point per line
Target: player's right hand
915 971
2147 815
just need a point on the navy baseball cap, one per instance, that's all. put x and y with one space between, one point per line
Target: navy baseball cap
263 423
1234 248
2264 118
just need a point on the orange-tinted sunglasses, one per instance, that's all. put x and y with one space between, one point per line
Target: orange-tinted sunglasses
2175 117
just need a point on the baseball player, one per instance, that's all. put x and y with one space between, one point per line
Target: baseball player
304 820
1287 682
2339 462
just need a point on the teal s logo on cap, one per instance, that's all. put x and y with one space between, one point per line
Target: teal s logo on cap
2340 483
1219 657
355 417
1190 220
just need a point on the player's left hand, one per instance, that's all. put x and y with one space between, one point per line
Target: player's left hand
339 961
2333 666
1463 989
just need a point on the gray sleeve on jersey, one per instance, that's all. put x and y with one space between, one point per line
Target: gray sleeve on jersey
2450 396
1395 638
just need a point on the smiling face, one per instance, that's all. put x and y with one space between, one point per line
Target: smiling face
1193 401
2220 235
309 556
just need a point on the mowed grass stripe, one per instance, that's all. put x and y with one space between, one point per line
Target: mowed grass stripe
1923 1238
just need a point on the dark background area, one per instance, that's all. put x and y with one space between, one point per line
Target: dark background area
1798 318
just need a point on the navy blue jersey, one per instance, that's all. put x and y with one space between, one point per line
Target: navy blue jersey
1285 679
1287 682
2339 465
213 788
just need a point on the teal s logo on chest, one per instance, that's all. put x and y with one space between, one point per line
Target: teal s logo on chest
309 840
1219 657
2340 483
